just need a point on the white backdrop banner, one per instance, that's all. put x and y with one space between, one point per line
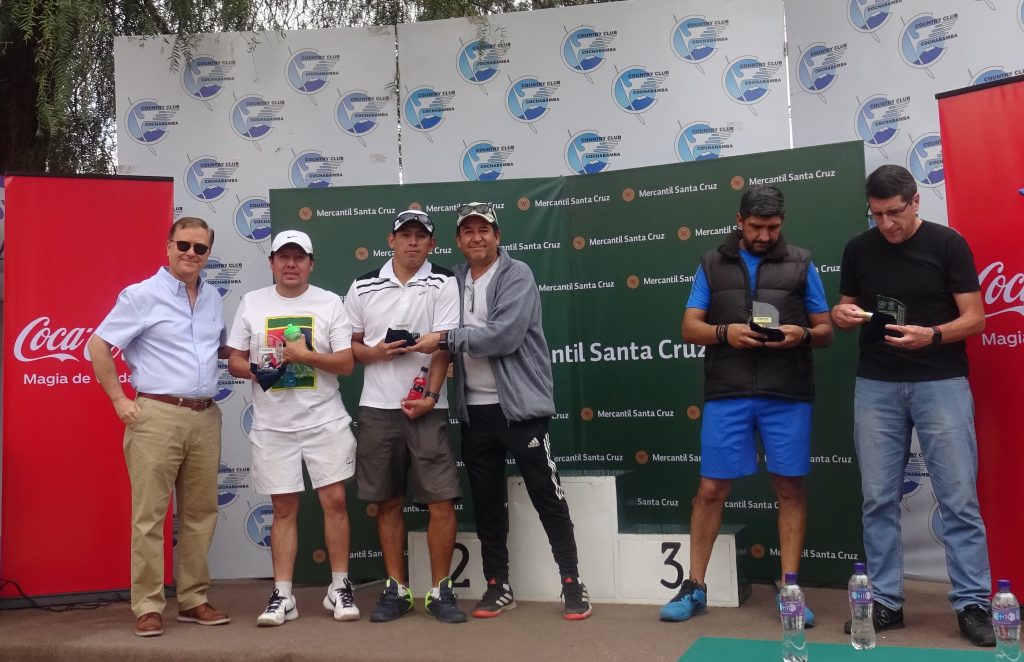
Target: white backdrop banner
565 91
869 70
588 89
251 112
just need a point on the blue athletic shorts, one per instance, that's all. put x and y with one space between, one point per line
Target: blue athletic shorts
727 445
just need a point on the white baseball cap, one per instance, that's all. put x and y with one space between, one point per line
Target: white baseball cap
300 239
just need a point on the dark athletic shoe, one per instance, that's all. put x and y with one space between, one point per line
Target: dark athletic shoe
445 607
577 600
883 618
393 603
976 624
497 600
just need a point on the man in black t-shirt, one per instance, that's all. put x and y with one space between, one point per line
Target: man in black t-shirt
915 377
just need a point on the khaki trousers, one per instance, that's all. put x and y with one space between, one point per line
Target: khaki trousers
171 446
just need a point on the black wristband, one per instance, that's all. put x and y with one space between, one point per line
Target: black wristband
806 340
433 394
442 342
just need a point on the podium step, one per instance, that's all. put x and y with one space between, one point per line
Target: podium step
641 565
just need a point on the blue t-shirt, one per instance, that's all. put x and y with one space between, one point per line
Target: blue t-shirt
814 295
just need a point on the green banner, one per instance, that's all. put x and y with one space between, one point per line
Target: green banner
614 255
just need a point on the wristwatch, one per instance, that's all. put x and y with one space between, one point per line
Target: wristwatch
936 336
806 340
442 342
433 394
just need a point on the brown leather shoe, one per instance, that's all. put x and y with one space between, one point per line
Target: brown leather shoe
149 625
204 614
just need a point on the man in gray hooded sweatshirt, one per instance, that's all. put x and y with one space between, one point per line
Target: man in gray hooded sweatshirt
503 394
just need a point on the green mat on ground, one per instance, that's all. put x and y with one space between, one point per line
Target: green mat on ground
713 649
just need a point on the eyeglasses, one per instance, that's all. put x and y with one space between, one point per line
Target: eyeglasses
878 215
183 246
471 296
479 208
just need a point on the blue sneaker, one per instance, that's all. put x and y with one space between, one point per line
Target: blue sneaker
394 602
692 600
808 614
444 606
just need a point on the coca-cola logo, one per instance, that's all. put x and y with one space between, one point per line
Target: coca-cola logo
38 341
1002 293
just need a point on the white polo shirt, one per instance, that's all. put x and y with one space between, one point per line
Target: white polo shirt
376 301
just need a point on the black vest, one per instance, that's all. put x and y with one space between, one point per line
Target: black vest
781 280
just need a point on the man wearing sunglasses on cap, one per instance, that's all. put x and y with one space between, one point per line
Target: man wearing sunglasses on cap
404 439
505 401
298 417
170 328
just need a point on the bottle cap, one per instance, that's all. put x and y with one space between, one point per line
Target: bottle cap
790 578
859 569
291 330
1004 586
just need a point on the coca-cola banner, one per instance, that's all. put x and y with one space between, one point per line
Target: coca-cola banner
983 153
72 243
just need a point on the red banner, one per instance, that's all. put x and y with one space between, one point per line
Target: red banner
72 244
983 157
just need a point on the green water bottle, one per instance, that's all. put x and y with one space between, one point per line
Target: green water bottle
293 333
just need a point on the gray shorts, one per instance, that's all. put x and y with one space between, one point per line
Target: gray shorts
391 448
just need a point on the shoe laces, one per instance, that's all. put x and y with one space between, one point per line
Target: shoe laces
344 593
686 590
274 603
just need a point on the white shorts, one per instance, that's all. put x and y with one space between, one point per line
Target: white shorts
329 451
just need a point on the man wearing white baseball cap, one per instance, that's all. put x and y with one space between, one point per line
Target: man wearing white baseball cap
299 336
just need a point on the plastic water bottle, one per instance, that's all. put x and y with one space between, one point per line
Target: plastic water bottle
419 385
1006 621
862 604
293 333
791 609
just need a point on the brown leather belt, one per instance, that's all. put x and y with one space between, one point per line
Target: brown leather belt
195 404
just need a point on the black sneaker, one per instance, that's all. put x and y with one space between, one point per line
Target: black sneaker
394 602
445 606
577 600
883 618
976 623
497 600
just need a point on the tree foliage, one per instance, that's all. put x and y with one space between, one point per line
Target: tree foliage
57 104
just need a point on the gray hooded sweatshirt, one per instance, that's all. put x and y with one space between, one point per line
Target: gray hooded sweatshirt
513 340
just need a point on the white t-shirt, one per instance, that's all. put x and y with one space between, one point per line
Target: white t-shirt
481 387
293 403
376 301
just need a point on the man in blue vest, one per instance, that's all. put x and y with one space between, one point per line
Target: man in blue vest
753 382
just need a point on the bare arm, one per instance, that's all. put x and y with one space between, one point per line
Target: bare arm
238 364
106 374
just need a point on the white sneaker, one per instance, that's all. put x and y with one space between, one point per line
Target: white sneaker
341 601
278 611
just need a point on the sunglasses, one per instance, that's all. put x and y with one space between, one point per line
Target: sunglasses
481 208
183 246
